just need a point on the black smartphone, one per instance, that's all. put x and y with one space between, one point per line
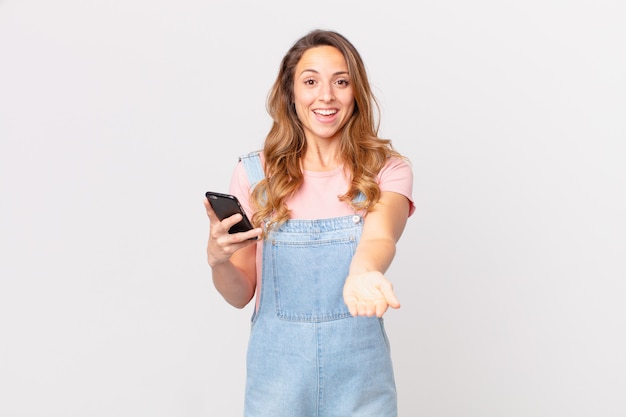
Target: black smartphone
225 205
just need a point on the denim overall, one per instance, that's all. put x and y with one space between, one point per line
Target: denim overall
307 356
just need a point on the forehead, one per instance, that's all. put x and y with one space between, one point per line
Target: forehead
322 57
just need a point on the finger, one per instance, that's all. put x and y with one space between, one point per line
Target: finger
390 296
353 310
351 304
210 212
239 237
362 309
228 222
381 308
250 236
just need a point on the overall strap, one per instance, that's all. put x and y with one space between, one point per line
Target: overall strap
359 197
252 163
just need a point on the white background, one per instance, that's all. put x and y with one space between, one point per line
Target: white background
116 116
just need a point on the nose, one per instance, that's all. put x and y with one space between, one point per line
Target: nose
326 92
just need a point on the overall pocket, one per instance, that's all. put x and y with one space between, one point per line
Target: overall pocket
309 283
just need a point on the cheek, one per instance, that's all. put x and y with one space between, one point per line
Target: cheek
350 104
301 110
303 97
347 98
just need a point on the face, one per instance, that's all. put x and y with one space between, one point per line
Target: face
323 94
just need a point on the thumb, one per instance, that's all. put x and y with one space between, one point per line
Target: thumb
390 296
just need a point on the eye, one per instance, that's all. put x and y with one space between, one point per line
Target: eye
343 82
309 81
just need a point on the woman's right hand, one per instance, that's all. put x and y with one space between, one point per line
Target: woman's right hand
222 244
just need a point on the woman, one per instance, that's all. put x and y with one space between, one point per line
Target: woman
329 200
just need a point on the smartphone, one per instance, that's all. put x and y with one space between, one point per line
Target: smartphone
225 205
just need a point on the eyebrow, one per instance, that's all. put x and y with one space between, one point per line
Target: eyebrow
317 72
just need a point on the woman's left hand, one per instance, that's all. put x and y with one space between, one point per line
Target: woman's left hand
369 294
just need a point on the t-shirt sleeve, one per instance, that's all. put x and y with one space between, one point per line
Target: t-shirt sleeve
240 187
397 176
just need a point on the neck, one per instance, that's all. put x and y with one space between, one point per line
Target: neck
321 158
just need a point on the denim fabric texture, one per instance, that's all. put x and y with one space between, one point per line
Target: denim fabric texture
307 356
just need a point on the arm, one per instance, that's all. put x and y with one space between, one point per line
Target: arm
367 292
232 258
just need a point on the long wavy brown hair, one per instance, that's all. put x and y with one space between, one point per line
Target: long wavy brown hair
364 154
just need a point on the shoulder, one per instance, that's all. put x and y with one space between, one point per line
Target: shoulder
248 170
396 167
397 176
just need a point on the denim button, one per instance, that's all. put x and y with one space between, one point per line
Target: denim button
356 218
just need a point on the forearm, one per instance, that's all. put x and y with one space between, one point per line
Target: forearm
236 288
383 227
373 255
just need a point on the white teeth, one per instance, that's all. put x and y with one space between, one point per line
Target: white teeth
325 112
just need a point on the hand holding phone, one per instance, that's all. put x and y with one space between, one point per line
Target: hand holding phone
226 205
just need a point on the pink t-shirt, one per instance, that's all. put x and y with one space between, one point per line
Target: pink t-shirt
317 198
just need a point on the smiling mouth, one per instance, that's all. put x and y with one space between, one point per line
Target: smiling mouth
325 112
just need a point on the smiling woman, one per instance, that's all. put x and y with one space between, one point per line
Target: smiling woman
330 199
116 115
324 101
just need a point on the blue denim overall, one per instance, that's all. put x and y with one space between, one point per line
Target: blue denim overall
307 356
